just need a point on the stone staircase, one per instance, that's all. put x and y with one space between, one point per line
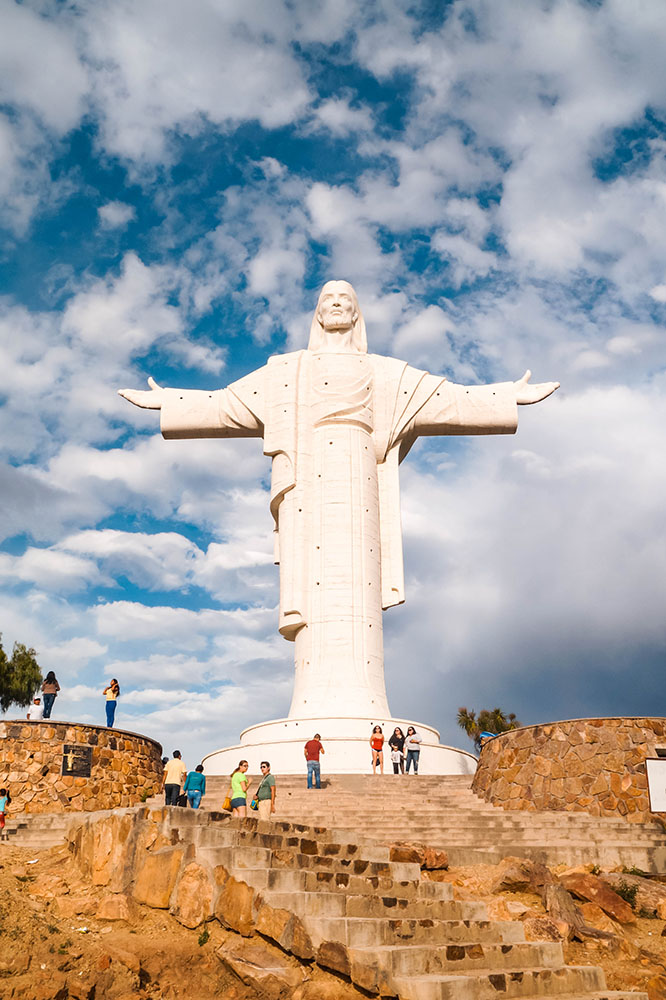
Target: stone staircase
443 812
40 830
370 919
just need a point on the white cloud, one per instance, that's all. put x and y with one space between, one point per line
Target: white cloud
338 117
116 214
35 52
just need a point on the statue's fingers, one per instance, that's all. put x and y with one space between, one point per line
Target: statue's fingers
527 376
152 383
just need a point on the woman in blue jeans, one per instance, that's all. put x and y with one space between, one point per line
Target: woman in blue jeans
195 786
50 689
413 748
112 691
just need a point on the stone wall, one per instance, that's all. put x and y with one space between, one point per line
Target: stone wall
582 765
124 767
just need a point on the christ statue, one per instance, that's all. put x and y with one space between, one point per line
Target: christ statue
336 423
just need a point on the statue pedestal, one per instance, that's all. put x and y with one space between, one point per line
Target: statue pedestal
346 741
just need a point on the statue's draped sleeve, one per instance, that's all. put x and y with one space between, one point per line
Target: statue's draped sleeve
410 403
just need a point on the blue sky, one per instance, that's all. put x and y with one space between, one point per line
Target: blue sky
176 182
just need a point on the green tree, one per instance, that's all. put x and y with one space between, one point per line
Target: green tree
20 676
488 721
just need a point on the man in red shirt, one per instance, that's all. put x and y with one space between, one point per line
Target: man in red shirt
312 750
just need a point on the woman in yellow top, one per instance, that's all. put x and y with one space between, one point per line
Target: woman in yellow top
112 691
239 786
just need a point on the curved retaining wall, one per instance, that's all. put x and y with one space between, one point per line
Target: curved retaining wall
582 765
45 765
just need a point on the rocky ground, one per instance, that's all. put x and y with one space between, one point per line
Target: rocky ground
632 950
62 939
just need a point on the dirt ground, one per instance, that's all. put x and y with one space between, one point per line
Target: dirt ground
46 954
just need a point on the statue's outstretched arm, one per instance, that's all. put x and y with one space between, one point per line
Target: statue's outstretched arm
526 393
150 399
236 411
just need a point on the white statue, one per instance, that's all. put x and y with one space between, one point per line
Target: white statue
336 422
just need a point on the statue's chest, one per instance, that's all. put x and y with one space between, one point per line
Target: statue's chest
341 389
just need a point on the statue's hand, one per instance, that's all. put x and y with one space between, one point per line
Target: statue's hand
526 393
148 399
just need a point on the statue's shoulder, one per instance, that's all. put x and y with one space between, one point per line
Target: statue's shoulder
290 358
396 369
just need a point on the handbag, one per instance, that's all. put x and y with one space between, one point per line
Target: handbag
226 805
254 804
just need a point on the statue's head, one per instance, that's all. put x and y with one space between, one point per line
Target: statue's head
337 323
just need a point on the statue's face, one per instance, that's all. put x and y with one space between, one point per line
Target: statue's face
336 309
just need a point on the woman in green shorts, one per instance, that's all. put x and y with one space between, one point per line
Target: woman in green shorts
239 786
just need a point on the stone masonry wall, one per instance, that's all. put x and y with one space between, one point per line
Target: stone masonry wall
582 765
125 767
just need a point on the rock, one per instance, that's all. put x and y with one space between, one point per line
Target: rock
542 929
594 890
594 916
522 875
320 990
234 907
435 860
72 906
110 860
661 911
127 958
334 955
156 877
270 975
285 929
405 852
656 988
272 922
649 894
194 897
117 907
438 875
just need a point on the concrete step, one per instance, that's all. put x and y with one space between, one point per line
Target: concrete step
337 904
288 880
470 957
369 932
488 984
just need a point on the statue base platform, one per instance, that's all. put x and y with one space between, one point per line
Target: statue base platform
346 745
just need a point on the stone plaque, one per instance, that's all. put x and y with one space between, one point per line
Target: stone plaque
76 760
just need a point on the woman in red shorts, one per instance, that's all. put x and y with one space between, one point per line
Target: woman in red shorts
377 744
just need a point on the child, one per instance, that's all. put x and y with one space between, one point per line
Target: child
4 802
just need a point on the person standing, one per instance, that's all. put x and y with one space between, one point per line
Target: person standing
265 794
174 775
413 747
195 786
35 712
397 745
313 748
377 746
112 692
239 786
50 689
4 802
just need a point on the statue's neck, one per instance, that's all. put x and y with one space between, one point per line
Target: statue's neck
338 341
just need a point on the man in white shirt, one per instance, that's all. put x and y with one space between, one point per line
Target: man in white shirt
36 711
175 773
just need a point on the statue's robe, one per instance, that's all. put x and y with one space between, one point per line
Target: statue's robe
324 417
